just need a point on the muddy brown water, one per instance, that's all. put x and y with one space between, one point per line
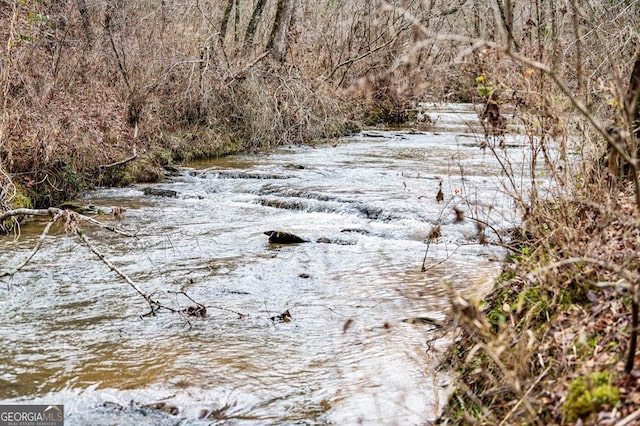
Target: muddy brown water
72 333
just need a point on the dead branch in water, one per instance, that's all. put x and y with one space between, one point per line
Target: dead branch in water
35 249
71 220
52 211
152 303
105 226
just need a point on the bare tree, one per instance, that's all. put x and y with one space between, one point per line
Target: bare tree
225 20
278 40
505 9
253 22
86 23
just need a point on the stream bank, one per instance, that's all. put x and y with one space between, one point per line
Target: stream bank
552 341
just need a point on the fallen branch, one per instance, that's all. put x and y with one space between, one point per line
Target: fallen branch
104 226
43 235
120 163
629 419
70 223
193 311
152 303
51 211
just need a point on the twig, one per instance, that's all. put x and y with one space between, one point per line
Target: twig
630 418
513 410
242 73
240 314
119 163
439 262
35 249
633 340
358 58
184 293
104 226
501 242
426 253
152 303
321 306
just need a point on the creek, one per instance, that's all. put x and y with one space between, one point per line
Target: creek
72 333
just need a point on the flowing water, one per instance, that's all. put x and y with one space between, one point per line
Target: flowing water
72 332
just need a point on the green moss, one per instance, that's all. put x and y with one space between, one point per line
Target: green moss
572 295
165 157
588 395
230 146
592 342
611 345
385 116
460 407
506 276
497 319
21 200
527 298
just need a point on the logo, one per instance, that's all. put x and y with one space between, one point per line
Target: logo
31 415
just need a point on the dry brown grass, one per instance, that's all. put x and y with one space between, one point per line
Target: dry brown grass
559 312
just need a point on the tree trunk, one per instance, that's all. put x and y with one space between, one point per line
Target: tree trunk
633 109
633 97
278 40
506 15
253 22
86 23
236 23
225 20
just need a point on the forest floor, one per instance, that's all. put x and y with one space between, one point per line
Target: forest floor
550 344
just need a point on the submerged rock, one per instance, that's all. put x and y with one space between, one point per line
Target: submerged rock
157 192
281 237
356 231
162 407
326 240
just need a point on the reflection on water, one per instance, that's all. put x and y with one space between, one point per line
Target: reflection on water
72 332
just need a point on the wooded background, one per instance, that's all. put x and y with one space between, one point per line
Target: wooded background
83 82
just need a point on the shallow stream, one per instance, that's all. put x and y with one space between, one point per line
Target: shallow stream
72 333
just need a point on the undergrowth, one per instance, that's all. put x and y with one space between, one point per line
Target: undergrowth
548 345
